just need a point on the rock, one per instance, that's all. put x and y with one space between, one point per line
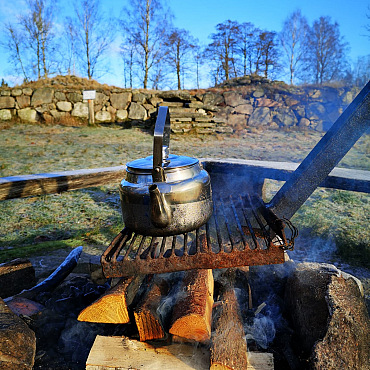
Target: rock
74 97
289 101
7 102
41 96
155 100
265 102
58 115
304 122
258 93
329 316
121 114
315 111
238 121
17 92
5 115
111 110
80 110
121 100
179 95
138 97
137 112
59 95
5 92
23 101
210 98
285 117
27 91
100 98
17 341
233 98
103 116
260 117
27 114
64 106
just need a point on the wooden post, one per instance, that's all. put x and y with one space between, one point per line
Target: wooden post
91 112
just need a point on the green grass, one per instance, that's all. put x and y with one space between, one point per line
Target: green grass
92 216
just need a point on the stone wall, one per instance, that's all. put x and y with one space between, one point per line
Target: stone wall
227 109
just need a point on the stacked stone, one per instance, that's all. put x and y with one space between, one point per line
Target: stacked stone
227 109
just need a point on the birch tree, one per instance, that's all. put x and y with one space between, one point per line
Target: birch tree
293 40
145 24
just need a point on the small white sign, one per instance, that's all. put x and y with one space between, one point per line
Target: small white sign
88 94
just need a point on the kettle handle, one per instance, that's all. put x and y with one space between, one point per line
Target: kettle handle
161 138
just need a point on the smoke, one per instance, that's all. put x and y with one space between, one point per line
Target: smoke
261 330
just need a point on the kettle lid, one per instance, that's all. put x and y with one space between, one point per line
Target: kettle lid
171 163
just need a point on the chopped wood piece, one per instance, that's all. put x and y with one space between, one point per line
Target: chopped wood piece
17 341
24 306
16 276
124 353
147 318
112 306
228 345
260 361
192 313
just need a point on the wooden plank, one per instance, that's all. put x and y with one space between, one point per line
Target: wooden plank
122 353
338 178
192 313
48 183
112 306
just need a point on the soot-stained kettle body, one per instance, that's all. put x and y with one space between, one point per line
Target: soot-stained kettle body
165 194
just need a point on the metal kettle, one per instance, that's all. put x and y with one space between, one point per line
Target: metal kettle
165 194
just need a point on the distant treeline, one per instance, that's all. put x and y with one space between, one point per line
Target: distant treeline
155 54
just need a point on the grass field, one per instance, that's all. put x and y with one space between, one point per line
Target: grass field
92 216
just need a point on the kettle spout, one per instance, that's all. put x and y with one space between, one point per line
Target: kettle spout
160 212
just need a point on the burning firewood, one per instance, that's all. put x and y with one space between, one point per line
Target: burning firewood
112 306
147 318
192 313
228 345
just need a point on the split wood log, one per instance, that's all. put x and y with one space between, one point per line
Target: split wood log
16 276
112 306
228 344
17 341
192 313
147 317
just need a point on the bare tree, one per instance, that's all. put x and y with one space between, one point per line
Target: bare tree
325 57
37 29
224 46
145 24
179 45
93 33
269 51
245 43
16 49
293 40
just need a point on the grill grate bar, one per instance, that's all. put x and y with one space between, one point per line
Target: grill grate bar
228 239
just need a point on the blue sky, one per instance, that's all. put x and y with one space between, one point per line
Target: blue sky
200 17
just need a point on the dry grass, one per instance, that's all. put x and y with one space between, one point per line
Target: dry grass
92 216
